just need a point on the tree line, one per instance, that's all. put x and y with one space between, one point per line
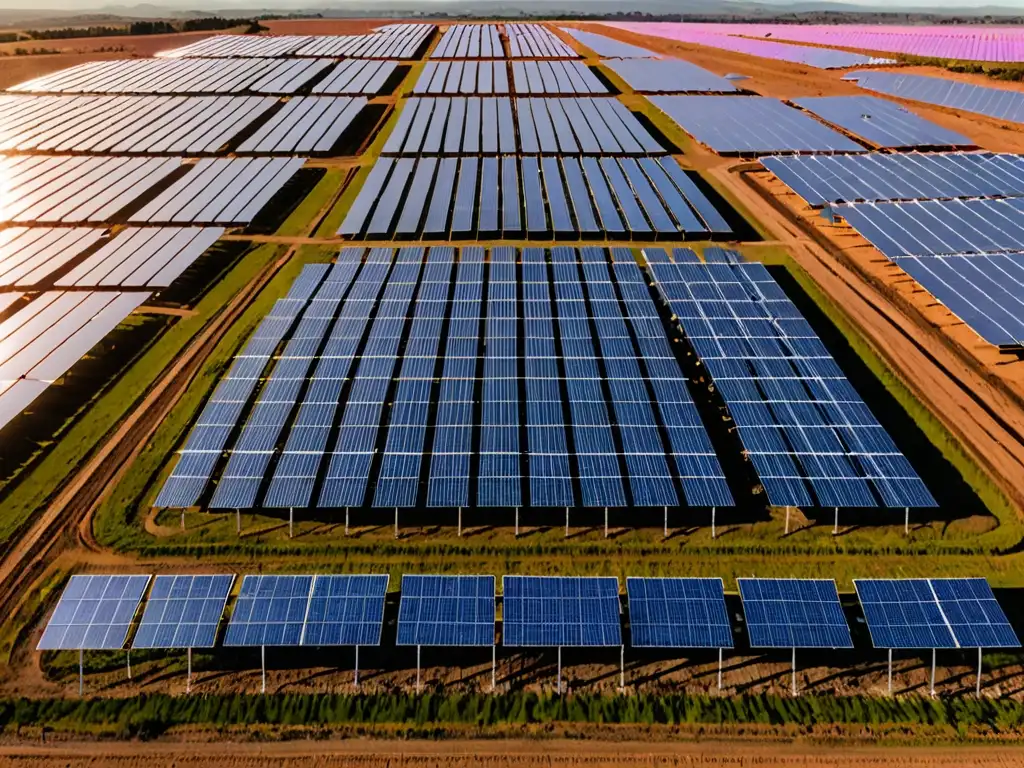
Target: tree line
207 24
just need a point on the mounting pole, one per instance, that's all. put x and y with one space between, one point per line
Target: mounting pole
417 669
666 523
81 672
890 671
188 679
567 522
713 532
460 522
559 670
238 522
291 522
622 667
719 670
606 522
787 521
835 526
517 522
977 687
263 668
906 521
183 519
128 655
933 671
357 667
396 522
346 521
494 668
794 671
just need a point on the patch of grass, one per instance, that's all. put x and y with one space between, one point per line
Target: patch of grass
1008 72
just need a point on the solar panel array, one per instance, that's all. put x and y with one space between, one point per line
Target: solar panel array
913 176
939 227
881 122
462 77
177 76
392 41
306 125
183 612
607 47
94 613
802 424
137 258
44 338
668 76
533 41
125 124
678 613
446 610
997 103
238 46
356 77
351 432
794 613
555 78
220 191
270 610
434 198
751 125
73 190
549 611
934 613
469 41
345 610
28 255
470 125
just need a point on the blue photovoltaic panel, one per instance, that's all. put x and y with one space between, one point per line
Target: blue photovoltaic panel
607 47
882 122
270 610
550 611
1000 103
183 612
800 420
794 613
94 613
668 76
878 177
446 610
751 125
678 613
934 613
345 610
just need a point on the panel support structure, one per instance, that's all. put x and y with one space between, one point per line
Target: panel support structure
933 671
188 678
567 522
977 686
128 657
890 671
396 522
719 670
622 667
666 523
494 668
794 671
291 522
417 669
263 669
81 670
346 521
906 521
517 522
559 688
357 667
713 532
835 525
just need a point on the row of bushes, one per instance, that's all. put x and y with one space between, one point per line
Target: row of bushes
1011 72
154 714
207 24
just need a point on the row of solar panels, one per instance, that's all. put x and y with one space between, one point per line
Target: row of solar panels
633 442
606 47
135 258
488 78
392 41
625 403
97 189
98 612
469 41
174 124
434 198
473 125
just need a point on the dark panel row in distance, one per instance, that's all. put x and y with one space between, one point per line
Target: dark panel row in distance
437 197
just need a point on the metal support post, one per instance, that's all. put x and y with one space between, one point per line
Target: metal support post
291 522
890 671
977 686
183 519
567 522
263 668
794 671
517 522
835 526
460 522
606 522
357 667
622 667
396 522
417 669
128 655
81 670
666 523
238 522
494 667
559 689
787 521
188 678
346 521
906 521
933 671
713 532
719 670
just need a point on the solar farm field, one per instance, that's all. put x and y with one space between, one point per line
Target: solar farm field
507 376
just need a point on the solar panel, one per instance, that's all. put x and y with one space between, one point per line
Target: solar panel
534 41
794 613
345 610
446 610
94 613
668 76
751 125
934 613
550 611
881 122
678 613
270 610
183 612
607 47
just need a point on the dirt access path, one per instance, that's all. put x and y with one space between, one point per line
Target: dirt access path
485 754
